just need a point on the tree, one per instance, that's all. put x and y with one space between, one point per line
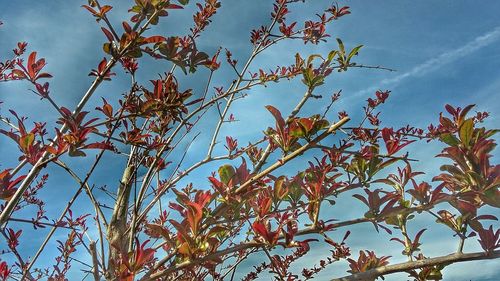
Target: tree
150 227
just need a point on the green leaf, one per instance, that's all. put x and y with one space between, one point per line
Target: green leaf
490 133
184 2
107 48
26 141
354 52
311 58
307 76
199 58
317 81
226 173
297 131
321 124
136 9
153 20
435 274
332 55
279 186
73 152
451 169
134 53
492 197
341 47
449 139
466 131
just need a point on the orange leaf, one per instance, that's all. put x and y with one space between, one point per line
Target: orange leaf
105 9
155 39
92 11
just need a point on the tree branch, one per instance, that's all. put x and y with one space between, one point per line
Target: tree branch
95 262
400 267
294 112
283 161
41 163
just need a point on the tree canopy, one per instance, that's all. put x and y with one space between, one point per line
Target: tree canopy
189 191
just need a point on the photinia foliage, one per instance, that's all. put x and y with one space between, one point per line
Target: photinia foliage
159 223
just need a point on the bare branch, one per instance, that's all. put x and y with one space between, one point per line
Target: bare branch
401 267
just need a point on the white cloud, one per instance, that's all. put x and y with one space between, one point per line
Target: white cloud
439 61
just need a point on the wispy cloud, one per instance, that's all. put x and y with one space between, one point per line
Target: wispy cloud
439 61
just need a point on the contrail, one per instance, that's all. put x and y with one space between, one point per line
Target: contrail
437 62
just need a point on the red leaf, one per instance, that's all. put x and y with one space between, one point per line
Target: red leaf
127 27
271 237
174 6
194 216
107 33
277 115
486 217
31 64
99 145
260 229
43 75
142 254
217 185
417 237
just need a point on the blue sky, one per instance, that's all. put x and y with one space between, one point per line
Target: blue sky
443 51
